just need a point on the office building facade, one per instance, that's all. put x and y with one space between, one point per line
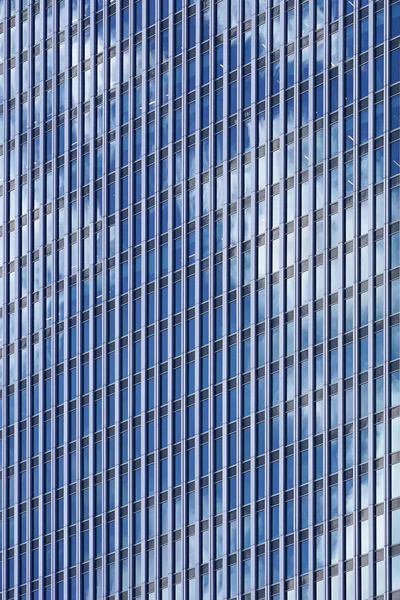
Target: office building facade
200 299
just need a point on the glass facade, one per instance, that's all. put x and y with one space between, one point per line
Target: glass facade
199 299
